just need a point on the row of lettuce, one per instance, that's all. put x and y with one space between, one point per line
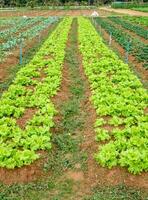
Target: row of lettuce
120 102
32 90
134 45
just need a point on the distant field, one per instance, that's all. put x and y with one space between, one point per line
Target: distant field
138 20
141 9
128 5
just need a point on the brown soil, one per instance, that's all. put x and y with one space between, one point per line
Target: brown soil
47 13
76 176
146 111
137 67
24 174
29 113
125 11
63 94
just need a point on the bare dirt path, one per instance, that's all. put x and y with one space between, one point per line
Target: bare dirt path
125 11
47 13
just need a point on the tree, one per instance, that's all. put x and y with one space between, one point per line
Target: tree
2 3
91 2
31 3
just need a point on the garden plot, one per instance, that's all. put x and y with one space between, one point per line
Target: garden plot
75 122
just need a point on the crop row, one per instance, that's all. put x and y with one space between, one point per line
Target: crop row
31 91
6 21
137 20
135 46
22 23
132 27
142 9
29 34
120 102
129 5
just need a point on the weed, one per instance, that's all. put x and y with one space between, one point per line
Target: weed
120 192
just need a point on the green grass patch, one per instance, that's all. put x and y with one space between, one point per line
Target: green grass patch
141 9
120 192
68 139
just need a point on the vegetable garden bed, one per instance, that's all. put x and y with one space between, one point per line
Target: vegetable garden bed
20 97
132 27
120 101
81 109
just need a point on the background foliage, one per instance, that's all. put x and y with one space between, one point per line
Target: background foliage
45 2
33 3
